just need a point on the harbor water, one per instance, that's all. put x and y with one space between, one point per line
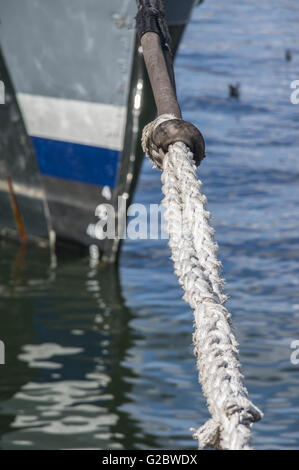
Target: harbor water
101 358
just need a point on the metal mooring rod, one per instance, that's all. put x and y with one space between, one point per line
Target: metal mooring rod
155 41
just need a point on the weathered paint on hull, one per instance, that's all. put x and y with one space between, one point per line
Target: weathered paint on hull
75 72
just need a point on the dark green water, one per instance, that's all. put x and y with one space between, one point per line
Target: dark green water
102 358
87 366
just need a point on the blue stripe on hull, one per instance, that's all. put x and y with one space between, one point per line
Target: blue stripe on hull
83 163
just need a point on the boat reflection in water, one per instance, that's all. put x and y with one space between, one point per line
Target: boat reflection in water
65 380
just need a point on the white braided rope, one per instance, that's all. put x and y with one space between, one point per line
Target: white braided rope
194 253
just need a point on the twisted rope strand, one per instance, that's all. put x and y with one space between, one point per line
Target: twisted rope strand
194 253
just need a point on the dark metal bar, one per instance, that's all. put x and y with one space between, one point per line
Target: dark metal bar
155 41
164 93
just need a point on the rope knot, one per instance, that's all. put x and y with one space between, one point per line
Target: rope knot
166 130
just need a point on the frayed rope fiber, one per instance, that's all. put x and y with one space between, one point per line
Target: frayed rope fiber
194 253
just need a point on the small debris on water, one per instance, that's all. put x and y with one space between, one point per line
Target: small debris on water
288 55
234 90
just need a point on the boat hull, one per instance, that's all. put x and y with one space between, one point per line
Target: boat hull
80 90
